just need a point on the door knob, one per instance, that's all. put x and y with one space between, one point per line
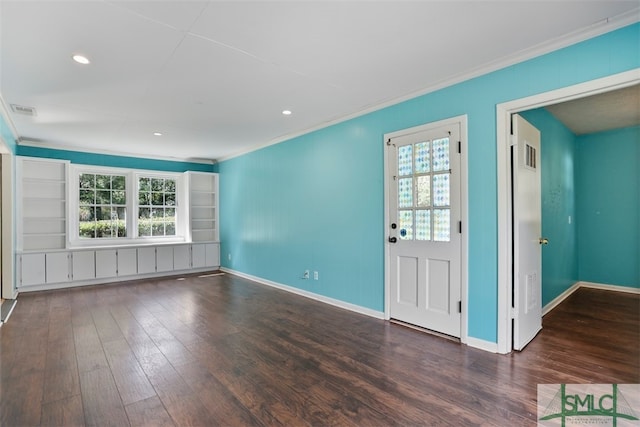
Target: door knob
543 241
393 239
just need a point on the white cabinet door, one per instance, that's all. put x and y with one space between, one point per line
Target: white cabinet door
84 265
182 257
106 263
164 258
198 256
32 269
128 262
212 255
57 267
146 260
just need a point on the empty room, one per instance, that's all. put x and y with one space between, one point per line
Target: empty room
353 213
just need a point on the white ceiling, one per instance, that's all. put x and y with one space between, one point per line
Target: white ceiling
214 76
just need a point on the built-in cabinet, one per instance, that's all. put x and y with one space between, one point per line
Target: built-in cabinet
46 257
107 265
106 262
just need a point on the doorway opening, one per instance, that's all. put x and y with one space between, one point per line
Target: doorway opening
506 238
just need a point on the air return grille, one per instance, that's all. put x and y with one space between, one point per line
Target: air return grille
21 109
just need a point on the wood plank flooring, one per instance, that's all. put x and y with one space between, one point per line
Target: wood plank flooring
225 351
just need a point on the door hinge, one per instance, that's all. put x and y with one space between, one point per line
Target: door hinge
460 227
512 312
459 306
459 147
512 140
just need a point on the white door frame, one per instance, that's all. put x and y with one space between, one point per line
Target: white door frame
6 204
503 141
464 264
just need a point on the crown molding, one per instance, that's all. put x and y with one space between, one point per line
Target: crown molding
597 29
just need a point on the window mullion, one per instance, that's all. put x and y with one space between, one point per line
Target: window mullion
132 205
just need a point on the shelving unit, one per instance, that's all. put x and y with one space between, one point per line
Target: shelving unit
45 260
203 206
43 204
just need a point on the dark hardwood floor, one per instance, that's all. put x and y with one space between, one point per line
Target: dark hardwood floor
224 351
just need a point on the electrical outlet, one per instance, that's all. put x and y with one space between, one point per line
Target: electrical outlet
229 256
315 275
306 274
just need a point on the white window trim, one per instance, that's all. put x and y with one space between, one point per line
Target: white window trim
131 182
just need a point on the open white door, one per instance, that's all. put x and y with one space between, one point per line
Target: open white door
424 230
527 229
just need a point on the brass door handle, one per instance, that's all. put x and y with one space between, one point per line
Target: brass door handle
543 241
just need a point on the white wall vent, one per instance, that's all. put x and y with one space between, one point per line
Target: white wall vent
21 109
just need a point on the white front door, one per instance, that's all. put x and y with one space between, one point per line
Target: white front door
424 246
527 229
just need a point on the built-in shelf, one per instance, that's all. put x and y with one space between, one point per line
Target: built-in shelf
203 203
42 207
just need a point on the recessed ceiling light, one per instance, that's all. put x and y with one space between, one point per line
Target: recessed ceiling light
286 112
80 59
157 134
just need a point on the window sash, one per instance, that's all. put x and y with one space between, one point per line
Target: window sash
131 207
156 211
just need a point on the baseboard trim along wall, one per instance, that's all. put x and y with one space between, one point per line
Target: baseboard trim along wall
606 287
602 286
314 296
557 300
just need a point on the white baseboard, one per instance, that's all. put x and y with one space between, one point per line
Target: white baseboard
606 287
557 300
482 344
307 294
602 286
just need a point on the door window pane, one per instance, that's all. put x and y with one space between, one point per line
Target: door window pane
424 191
405 193
441 190
423 157
423 225
405 160
441 225
441 154
406 225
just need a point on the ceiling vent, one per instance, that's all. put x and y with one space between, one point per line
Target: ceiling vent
21 109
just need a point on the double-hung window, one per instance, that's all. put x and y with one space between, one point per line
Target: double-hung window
123 206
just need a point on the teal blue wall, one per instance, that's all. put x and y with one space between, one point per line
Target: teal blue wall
608 186
316 201
558 153
113 161
7 136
